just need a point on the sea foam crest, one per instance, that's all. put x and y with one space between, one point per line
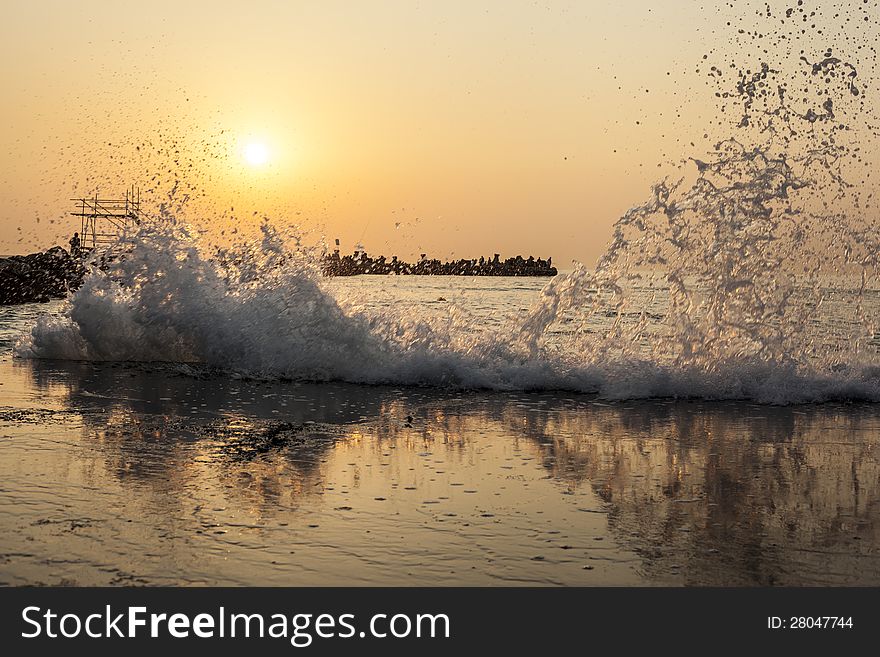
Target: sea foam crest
264 312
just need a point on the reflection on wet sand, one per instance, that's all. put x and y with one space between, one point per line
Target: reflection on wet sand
157 475
731 494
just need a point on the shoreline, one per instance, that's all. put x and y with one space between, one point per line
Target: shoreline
245 482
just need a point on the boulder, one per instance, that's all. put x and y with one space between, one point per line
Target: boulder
39 276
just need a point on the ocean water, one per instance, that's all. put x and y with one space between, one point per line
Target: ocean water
267 314
122 472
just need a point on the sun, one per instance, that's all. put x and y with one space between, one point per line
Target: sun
256 154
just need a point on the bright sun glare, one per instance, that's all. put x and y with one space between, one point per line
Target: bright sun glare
256 154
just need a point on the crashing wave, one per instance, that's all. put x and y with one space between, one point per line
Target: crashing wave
710 289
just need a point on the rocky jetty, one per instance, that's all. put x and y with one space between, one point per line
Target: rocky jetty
361 263
39 276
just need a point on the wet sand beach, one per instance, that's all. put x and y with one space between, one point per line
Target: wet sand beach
140 474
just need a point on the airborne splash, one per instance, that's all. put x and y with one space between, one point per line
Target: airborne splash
748 276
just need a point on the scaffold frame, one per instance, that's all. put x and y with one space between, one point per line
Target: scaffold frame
102 221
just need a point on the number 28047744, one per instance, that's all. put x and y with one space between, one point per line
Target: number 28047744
809 622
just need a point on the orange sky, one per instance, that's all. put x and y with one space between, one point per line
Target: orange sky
455 127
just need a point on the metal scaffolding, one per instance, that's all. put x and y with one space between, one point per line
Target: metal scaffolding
104 220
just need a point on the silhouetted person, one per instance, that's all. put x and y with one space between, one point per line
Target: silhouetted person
75 246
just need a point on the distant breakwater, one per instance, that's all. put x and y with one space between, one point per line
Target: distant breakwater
39 277
360 263
52 274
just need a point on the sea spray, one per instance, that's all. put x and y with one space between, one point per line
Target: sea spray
263 312
772 227
163 300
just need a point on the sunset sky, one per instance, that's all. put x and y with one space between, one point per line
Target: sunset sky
456 128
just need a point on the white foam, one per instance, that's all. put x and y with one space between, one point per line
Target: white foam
263 312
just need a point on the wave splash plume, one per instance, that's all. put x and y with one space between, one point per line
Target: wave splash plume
749 276
264 311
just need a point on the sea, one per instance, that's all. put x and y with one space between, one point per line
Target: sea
170 472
